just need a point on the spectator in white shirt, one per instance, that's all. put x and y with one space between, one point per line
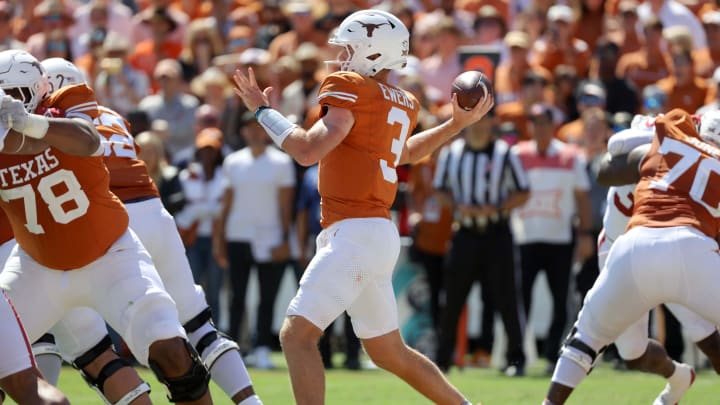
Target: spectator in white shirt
253 228
543 227
673 14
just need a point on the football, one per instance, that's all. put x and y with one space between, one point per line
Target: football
471 87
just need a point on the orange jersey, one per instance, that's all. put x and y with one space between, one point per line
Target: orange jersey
6 232
680 179
357 179
129 178
60 206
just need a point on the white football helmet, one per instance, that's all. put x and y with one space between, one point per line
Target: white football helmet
23 77
710 127
374 40
62 73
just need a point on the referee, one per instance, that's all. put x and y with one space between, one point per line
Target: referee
485 181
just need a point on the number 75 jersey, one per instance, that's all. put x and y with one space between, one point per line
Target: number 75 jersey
680 179
60 206
357 179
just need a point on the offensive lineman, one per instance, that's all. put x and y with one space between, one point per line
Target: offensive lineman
74 246
157 231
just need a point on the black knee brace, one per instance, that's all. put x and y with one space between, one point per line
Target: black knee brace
190 386
112 367
198 320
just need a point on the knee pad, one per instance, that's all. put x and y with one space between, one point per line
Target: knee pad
198 320
106 372
188 387
46 346
579 352
213 344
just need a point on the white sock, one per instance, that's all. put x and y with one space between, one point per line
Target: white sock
49 365
568 373
679 376
253 400
228 371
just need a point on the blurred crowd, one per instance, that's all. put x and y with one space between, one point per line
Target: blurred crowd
575 71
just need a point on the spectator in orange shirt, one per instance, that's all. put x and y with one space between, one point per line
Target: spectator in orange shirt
649 64
510 73
558 46
684 88
147 53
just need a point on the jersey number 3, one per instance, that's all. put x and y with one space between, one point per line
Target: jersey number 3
395 116
59 205
688 157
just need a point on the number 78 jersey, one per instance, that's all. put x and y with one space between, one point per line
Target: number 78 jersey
680 179
357 179
60 206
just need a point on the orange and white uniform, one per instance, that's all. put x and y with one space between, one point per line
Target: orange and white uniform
669 252
74 245
359 246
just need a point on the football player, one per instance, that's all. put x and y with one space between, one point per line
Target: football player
667 255
359 140
19 375
156 229
74 247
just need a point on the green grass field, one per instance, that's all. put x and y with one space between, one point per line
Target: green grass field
604 386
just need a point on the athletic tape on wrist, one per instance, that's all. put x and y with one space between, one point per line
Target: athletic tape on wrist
36 126
275 124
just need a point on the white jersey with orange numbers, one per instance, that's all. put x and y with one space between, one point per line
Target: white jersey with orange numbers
129 178
59 205
357 179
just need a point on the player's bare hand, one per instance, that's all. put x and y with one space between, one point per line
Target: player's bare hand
463 117
247 89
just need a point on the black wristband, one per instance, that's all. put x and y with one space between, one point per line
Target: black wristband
259 110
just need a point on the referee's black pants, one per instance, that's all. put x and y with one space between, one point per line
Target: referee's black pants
486 256
556 260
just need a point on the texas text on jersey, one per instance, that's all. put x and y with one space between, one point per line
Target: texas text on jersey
357 179
60 207
680 179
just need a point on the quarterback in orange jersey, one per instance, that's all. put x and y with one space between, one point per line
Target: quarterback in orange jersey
19 376
74 245
668 254
156 229
360 139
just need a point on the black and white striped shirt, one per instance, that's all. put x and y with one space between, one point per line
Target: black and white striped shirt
479 177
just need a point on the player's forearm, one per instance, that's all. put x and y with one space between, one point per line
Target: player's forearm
424 143
72 136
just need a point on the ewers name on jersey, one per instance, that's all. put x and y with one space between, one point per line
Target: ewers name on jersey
129 178
680 179
357 179
59 206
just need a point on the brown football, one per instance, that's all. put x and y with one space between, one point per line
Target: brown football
471 87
